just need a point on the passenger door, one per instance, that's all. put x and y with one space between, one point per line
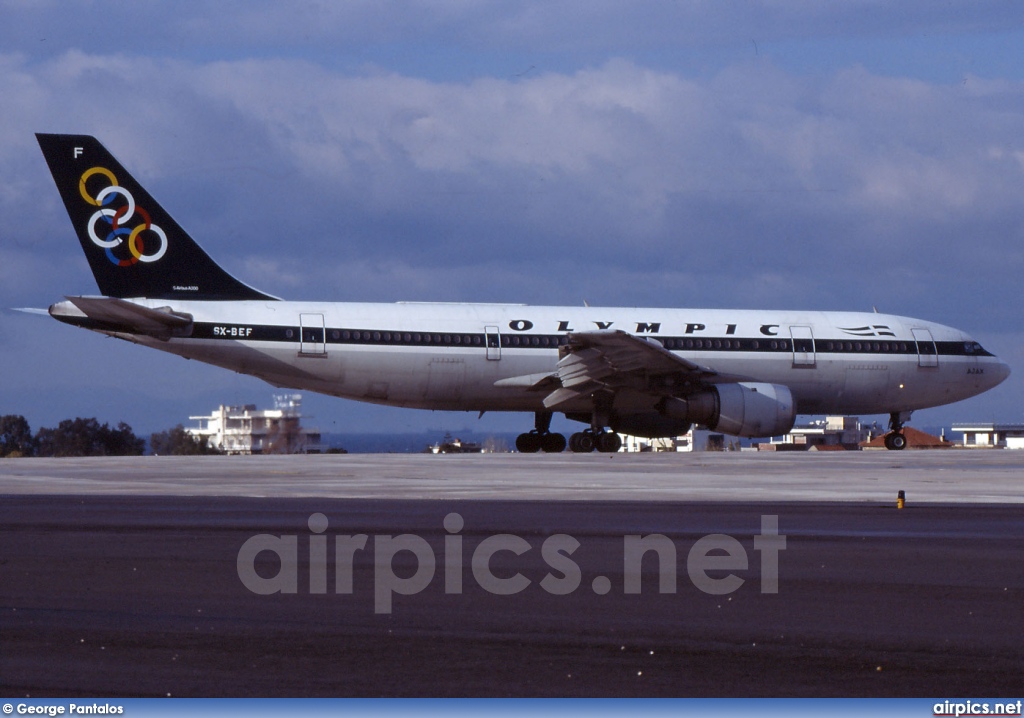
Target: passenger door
927 353
803 346
312 335
492 337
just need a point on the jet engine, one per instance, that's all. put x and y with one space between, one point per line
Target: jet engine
747 409
650 425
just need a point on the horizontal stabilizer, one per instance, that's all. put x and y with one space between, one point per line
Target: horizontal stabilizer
121 316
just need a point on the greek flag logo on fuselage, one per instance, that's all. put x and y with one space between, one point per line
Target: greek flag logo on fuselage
875 330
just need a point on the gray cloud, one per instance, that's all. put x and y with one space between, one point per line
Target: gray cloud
282 163
421 30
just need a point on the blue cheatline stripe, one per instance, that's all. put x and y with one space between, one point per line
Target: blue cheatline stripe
526 340
391 337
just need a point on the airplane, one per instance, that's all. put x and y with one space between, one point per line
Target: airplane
647 372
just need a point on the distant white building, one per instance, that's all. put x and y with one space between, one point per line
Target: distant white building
832 431
990 435
248 430
634 444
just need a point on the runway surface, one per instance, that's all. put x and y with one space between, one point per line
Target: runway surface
116 582
960 476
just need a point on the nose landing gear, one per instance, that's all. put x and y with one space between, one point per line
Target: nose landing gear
895 440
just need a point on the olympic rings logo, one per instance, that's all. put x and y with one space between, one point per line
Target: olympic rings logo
114 218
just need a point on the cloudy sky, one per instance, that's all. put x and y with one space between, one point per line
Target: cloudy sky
772 154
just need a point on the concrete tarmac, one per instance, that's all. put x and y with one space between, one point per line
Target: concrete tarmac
959 476
122 577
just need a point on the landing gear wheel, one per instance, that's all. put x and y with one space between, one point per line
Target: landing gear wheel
541 438
608 442
528 443
895 441
552 443
582 442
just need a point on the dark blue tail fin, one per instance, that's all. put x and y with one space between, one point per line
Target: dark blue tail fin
135 249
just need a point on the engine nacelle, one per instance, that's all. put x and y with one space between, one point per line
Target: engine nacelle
748 409
649 425
755 410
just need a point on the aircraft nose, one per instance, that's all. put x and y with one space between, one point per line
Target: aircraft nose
1000 371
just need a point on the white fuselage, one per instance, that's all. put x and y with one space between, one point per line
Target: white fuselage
453 356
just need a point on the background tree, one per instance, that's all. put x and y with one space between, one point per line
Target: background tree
178 442
87 437
122 441
16 436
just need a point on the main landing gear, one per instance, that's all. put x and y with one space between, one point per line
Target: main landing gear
607 442
541 438
584 442
895 440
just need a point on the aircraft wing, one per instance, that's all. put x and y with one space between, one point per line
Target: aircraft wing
531 382
615 360
120 316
